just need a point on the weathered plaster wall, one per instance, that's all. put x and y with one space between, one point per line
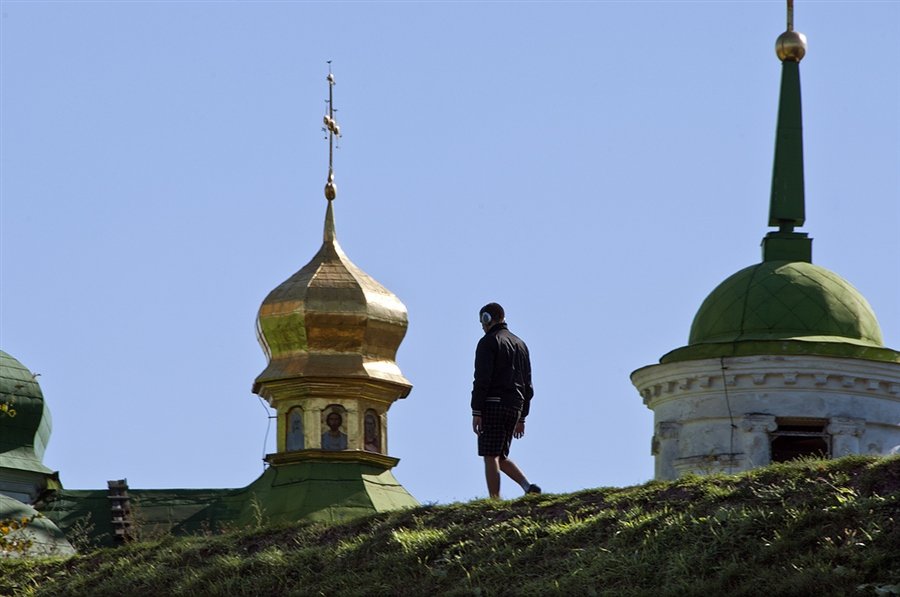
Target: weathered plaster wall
715 415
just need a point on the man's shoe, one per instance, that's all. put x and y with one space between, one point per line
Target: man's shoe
533 489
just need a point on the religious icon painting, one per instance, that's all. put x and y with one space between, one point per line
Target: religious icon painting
333 436
294 439
372 432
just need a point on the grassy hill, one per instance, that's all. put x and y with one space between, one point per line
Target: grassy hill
805 528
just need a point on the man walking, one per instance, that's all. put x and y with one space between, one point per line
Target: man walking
501 396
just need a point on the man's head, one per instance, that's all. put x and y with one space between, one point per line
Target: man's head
490 315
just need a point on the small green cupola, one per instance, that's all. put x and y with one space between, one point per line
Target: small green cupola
24 432
785 304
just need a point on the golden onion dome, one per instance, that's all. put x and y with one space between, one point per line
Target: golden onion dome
331 320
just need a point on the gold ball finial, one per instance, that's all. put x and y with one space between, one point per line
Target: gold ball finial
790 46
330 187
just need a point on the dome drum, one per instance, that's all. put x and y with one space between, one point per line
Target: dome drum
732 414
359 426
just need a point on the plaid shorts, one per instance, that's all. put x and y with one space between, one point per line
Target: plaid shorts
498 423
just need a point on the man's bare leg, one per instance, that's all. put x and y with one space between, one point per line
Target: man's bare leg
512 471
492 475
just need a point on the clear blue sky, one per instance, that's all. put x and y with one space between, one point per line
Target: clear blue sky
596 167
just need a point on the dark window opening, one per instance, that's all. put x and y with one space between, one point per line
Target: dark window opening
798 438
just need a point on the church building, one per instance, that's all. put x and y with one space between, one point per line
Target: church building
785 358
330 333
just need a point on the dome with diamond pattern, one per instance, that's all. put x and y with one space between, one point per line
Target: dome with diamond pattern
786 300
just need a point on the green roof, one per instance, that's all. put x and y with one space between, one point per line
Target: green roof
785 307
777 300
46 539
24 418
314 491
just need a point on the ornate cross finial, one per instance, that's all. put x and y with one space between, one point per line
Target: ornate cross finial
334 130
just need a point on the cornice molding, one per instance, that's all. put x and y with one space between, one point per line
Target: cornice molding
820 374
313 455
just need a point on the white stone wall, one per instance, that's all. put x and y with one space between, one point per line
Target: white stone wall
715 415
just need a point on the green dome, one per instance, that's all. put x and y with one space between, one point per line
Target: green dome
24 418
784 308
45 537
786 300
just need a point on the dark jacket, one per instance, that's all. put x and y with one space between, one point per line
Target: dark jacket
502 370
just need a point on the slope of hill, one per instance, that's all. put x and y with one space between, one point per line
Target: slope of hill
804 528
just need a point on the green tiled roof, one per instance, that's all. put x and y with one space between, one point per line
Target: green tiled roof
46 538
777 300
785 307
314 491
24 417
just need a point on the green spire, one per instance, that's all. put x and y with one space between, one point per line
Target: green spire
786 209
